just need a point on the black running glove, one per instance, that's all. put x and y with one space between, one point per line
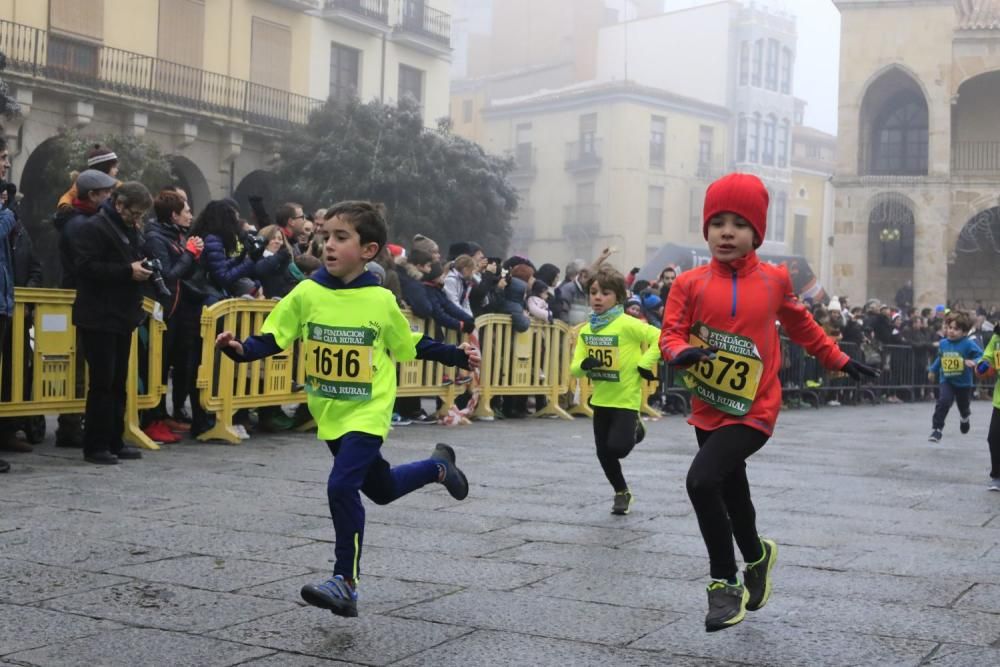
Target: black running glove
646 374
590 363
856 369
692 356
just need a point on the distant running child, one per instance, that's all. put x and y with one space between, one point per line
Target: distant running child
608 351
719 325
957 355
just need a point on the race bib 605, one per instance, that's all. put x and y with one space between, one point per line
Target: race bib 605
605 350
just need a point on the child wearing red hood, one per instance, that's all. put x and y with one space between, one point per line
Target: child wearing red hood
719 325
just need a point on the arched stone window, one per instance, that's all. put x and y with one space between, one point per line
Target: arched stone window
899 136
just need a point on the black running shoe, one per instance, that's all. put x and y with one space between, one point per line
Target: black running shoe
337 594
963 425
622 502
727 605
454 479
757 576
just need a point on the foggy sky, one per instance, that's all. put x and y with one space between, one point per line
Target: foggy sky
817 62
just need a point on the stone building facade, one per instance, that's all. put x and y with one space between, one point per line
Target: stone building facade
918 173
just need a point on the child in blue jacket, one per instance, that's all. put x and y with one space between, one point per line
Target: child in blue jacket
957 356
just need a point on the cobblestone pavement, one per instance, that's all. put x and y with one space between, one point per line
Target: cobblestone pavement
889 553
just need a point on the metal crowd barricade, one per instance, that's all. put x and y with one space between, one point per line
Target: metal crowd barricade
530 363
225 386
48 374
420 378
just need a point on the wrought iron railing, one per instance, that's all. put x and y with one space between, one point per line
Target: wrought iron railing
36 53
581 220
373 9
584 154
976 157
416 16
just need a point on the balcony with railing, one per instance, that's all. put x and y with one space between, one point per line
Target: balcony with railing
583 155
581 221
423 28
525 162
371 16
971 158
86 68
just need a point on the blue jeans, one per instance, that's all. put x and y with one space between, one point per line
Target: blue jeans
948 394
358 466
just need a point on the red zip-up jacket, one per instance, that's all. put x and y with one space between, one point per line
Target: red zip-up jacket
744 297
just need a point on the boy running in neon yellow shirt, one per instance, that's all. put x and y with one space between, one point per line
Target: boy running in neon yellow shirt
608 351
349 325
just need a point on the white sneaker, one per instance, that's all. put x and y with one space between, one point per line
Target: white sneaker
833 404
241 431
995 484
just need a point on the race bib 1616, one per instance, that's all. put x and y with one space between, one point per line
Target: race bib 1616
339 362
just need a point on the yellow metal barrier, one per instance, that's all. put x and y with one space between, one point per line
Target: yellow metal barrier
584 388
225 386
57 367
534 362
423 379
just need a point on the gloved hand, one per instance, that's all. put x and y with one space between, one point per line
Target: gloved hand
646 374
590 363
692 356
194 246
983 368
856 369
468 326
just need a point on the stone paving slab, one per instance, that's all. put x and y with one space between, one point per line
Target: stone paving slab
371 640
23 628
536 615
133 646
23 582
212 573
166 606
487 647
888 552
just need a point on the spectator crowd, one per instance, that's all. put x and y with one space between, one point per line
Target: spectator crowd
119 243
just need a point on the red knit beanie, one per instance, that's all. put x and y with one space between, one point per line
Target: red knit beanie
742 194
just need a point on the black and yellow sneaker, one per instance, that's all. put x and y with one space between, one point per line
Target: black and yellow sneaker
622 502
757 576
727 605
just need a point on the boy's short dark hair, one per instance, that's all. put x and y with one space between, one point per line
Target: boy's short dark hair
367 218
610 279
960 318
167 203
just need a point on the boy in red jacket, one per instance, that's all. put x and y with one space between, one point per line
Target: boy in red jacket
719 325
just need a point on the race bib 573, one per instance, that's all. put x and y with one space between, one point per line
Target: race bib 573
730 381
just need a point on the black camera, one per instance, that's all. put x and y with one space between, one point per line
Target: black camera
255 246
154 266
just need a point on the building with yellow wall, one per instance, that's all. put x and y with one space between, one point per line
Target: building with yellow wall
216 84
810 229
611 164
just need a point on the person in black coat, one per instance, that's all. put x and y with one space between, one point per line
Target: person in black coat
108 307
167 239
411 275
445 313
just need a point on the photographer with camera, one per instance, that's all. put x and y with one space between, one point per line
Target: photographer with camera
110 273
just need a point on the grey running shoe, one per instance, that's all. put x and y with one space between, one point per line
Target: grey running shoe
622 503
339 595
757 576
727 605
995 484
935 436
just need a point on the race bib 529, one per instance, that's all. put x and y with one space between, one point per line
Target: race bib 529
952 363
730 381
339 362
